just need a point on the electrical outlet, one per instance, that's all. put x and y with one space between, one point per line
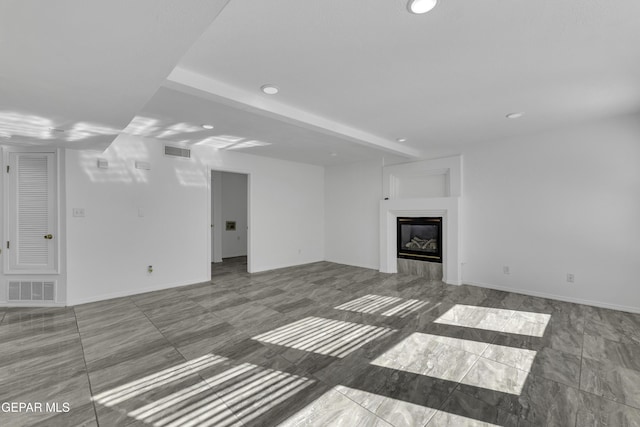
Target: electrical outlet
506 270
78 212
570 278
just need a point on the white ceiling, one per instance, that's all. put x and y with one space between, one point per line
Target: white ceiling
176 116
88 67
354 75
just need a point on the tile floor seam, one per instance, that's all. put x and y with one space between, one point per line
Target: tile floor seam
221 399
529 373
230 405
584 321
159 331
450 394
581 357
535 375
506 323
636 408
446 399
199 374
86 368
475 362
587 404
229 408
360 405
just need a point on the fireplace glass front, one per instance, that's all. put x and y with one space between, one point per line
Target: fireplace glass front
420 239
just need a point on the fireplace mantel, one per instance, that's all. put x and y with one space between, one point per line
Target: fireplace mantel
446 207
428 188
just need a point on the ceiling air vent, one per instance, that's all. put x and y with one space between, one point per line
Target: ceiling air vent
177 151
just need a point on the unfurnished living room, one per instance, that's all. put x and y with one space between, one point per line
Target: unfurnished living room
320 213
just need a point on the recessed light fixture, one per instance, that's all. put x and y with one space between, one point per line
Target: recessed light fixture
421 6
270 89
515 115
208 127
401 139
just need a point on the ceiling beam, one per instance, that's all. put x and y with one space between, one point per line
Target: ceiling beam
254 101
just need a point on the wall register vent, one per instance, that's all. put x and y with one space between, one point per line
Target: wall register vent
31 291
177 151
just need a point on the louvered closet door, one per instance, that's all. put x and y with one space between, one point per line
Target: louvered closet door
33 237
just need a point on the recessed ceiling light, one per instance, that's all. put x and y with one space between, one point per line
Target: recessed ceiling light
421 6
270 89
515 115
401 139
208 127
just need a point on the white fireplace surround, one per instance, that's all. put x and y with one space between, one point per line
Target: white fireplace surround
447 207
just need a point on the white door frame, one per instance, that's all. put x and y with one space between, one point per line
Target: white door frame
212 169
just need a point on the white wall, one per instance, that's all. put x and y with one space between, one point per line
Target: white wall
561 202
352 196
545 205
234 208
134 218
110 248
557 203
286 207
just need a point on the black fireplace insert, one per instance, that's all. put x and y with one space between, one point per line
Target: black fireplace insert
420 239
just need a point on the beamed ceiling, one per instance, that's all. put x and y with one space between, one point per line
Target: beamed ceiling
354 76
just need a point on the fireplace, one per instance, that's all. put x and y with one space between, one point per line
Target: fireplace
420 239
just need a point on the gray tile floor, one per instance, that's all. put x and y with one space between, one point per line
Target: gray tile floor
321 344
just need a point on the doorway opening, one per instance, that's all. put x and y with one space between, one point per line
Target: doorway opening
229 223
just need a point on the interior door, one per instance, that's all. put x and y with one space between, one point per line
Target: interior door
32 230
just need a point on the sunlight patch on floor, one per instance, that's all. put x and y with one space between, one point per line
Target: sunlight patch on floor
226 396
159 379
496 319
324 336
475 363
443 418
377 303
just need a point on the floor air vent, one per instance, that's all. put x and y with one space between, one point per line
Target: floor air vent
31 291
177 151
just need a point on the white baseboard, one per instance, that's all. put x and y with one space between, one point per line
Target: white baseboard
137 291
262 269
352 264
556 297
368 267
31 304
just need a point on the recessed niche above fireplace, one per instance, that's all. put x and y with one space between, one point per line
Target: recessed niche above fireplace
420 238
